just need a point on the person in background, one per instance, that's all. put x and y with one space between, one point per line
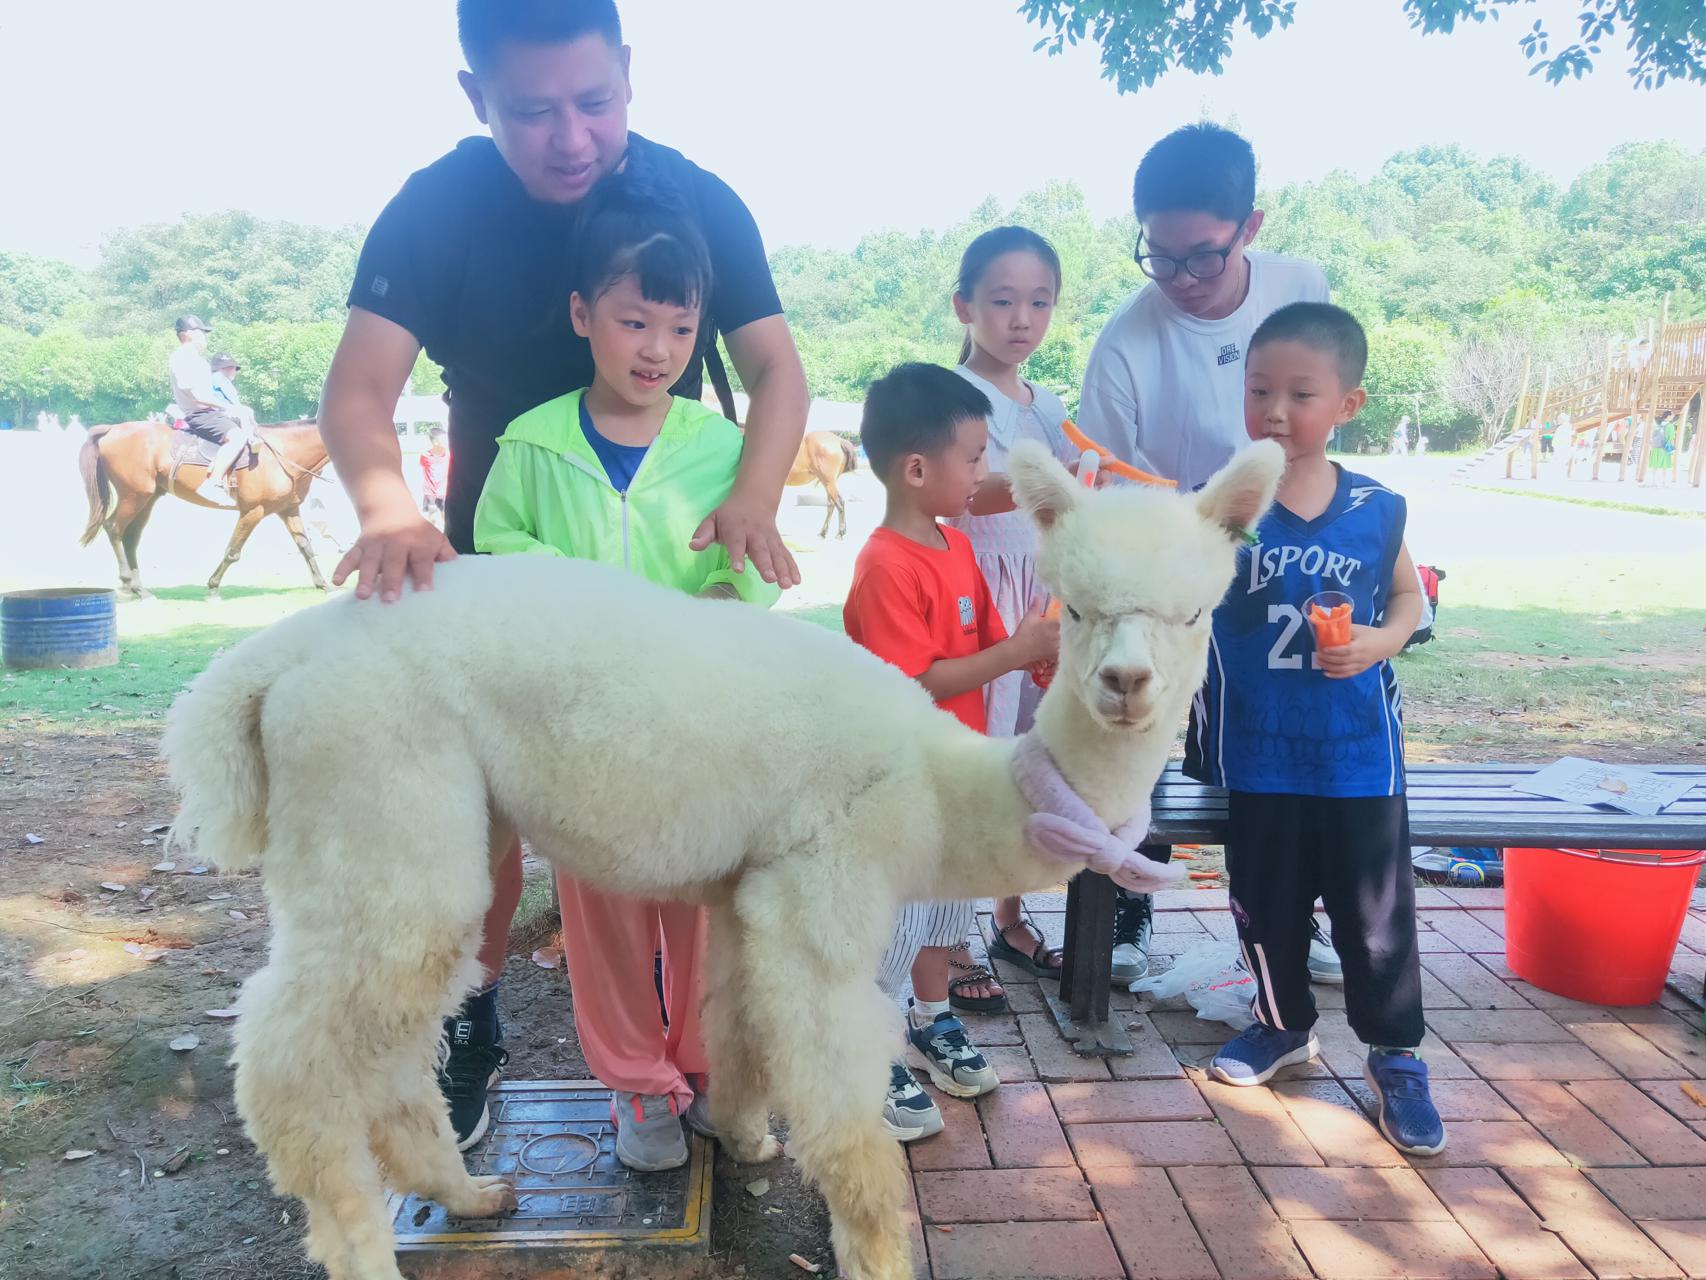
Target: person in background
203 412
435 475
1164 387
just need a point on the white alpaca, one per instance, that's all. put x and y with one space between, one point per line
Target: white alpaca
373 758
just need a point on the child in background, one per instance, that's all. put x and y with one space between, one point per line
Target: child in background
919 601
623 472
1308 736
435 476
1008 286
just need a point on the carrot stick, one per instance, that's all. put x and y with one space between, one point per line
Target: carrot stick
1114 465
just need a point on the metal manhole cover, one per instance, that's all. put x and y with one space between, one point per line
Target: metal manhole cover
554 1140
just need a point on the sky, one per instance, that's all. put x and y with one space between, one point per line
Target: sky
830 120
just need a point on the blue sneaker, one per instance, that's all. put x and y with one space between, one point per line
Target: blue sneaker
1252 1056
952 1061
1407 1114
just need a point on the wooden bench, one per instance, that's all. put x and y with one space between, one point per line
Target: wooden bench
1449 805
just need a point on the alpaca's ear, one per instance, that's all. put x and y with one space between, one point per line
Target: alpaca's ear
1241 492
1040 484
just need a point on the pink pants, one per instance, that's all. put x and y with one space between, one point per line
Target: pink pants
609 942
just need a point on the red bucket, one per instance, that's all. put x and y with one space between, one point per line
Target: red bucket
1597 925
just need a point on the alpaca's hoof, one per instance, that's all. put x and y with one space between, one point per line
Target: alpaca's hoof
487 1198
766 1149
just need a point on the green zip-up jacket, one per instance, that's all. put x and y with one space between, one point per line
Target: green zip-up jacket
548 493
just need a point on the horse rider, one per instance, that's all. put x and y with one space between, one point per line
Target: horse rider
225 389
204 413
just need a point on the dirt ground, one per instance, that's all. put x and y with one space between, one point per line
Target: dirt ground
106 961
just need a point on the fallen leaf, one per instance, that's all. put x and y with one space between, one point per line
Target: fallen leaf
31 837
112 886
224 1015
177 1162
159 829
803 1265
1698 1097
217 897
236 915
758 1186
548 957
183 1043
165 866
198 871
146 892
149 840
78 1155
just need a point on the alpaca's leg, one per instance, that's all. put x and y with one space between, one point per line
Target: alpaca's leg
740 1096
315 1149
829 1035
415 1145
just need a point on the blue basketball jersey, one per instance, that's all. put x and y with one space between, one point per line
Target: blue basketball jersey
1266 718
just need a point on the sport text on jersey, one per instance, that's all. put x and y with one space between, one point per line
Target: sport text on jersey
1267 563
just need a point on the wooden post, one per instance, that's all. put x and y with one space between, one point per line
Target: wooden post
1516 418
1604 408
1655 375
1539 426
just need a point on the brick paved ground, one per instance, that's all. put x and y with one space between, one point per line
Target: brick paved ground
1575 1149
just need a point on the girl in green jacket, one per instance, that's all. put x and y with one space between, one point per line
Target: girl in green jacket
624 472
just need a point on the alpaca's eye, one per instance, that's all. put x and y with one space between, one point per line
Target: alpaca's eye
1195 618
1073 614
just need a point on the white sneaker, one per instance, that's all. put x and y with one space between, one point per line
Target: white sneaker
213 491
908 1112
1324 962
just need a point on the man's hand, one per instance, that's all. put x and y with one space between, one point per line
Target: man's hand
748 530
1368 646
390 550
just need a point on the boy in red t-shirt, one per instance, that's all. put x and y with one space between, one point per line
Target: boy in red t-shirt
918 600
435 476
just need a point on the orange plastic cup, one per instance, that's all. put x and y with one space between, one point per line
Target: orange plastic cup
1329 615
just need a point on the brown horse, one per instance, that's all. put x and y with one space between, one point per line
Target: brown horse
825 457
135 459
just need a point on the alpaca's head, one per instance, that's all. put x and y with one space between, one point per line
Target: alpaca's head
1138 572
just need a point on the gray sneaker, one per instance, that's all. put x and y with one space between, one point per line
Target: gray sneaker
1324 963
908 1111
697 1117
1134 921
649 1136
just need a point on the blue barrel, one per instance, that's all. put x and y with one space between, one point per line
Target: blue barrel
59 627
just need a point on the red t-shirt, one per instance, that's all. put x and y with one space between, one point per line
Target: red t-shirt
435 474
914 605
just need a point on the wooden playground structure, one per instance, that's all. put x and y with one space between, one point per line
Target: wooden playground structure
1640 408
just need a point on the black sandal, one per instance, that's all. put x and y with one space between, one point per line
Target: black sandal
972 975
1044 962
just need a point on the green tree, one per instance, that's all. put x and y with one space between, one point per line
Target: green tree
38 292
1142 39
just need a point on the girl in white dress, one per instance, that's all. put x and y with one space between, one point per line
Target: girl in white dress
1008 284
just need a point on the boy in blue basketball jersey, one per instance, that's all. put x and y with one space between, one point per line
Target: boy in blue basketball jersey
1309 740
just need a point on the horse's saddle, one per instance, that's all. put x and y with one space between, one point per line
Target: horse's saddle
190 450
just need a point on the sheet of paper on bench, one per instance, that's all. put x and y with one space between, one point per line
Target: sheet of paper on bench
1590 782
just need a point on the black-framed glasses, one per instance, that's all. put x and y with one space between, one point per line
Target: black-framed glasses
1204 264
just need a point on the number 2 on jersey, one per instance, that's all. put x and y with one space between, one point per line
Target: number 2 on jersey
1280 657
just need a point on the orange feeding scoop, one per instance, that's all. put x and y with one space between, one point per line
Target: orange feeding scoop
1113 465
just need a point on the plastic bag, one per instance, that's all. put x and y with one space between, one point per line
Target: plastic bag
1212 977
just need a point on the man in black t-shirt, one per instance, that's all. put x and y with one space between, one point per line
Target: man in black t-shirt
469 261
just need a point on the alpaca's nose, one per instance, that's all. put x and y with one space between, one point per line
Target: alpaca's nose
1123 682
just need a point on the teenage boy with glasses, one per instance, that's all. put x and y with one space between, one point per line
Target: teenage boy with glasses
1164 389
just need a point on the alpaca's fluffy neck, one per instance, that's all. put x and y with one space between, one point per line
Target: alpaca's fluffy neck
985 852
